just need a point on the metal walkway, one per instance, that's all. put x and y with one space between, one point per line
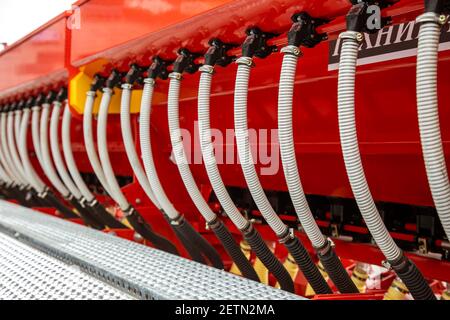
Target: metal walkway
133 268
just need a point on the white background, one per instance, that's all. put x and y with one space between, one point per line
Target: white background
20 17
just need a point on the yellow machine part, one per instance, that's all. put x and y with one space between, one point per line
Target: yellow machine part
81 83
397 291
359 278
259 267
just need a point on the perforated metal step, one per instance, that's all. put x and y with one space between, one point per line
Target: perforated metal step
146 272
27 273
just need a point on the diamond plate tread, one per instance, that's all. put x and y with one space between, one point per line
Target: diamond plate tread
146 272
29 274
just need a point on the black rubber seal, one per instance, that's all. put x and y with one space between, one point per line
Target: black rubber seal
336 271
413 279
234 251
146 231
307 266
253 238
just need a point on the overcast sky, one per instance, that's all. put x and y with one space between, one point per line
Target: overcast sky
20 17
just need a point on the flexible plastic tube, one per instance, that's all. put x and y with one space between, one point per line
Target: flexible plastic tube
130 149
329 259
56 152
35 180
98 210
102 144
89 140
178 150
428 114
405 269
47 163
249 233
12 151
3 158
147 155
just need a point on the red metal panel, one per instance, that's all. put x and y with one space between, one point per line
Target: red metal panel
36 60
109 23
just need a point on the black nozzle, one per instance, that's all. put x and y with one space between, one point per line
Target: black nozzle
51 96
255 45
97 83
114 79
303 32
217 53
62 94
437 6
31 102
134 75
159 68
360 13
185 61
13 106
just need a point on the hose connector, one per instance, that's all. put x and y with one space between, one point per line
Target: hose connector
255 45
31 102
360 14
185 61
51 97
114 79
62 95
287 236
304 31
134 75
20 105
217 53
97 83
40 99
159 68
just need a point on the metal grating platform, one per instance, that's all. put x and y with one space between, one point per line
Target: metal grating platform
143 271
27 273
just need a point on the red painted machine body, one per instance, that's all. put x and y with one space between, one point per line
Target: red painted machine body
126 31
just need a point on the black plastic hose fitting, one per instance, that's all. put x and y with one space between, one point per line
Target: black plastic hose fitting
185 61
303 32
255 45
159 68
217 53
407 271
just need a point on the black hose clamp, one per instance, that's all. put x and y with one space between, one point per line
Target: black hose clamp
159 68
185 61
217 53
134 75
255 45
51 96
303 32
114 80
437 6
358 16
97 83
287 236
62 95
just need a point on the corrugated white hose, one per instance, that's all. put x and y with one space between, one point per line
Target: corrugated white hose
47 163
350 149
35 118
244 151
178 149
68 155
3 158
133 158
6 153
286 138
147 154
13 155
204 92
428 114
91 150
35 180
102 143
56 152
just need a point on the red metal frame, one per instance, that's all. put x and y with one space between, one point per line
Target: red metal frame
121 32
